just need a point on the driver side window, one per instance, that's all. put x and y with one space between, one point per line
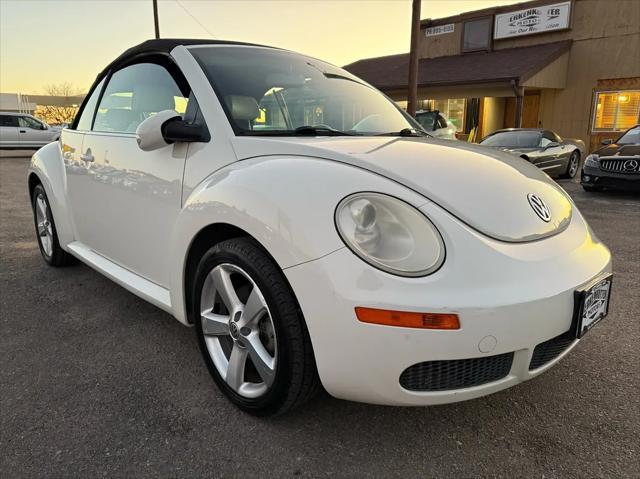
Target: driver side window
547 139
135 93
28 122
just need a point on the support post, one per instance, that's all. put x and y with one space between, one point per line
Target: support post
519 93
412 94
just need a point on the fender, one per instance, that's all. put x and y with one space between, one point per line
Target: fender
48 166
273 200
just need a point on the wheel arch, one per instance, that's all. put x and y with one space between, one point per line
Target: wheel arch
32 181
47 168
205 239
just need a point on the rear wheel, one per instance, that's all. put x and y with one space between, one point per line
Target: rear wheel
573 165
46 231
250 330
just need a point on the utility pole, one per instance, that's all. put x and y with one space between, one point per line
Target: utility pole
156 22
412 94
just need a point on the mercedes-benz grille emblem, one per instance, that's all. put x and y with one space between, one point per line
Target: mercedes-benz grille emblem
630 165
539 206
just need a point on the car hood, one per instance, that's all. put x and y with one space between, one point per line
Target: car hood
618 150
486 189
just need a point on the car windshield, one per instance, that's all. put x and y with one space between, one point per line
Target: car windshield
513 139
630 137
274 92
427 119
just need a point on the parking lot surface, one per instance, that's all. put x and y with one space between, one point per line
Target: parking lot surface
95 382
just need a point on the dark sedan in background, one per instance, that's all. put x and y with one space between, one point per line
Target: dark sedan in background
544 148
616 165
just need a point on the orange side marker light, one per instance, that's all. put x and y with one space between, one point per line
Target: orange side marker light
407 319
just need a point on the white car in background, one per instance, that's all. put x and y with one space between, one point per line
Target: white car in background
436 124
21 130
306 247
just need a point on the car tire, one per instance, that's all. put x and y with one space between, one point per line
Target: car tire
287 377
46 231
591 189
573 165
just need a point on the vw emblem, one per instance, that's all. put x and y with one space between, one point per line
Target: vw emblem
630 165
233 330
539 206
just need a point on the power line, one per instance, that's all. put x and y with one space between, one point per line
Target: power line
156 21
195 19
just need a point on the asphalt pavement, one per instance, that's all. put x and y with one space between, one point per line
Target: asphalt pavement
95 382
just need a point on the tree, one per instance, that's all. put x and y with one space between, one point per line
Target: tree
62 104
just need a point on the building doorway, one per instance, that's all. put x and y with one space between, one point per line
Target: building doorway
530 110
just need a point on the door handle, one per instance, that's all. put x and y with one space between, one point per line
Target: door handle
88 157
23 131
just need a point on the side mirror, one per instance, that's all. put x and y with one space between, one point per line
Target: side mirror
553 144
167 127
608 141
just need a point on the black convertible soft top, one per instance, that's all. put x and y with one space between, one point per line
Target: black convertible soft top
163 46
157 46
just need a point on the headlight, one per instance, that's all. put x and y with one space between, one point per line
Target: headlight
390 234
591 160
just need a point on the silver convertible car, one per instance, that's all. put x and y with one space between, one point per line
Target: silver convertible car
554 155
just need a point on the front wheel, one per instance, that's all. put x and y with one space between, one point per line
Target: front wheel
46 231
573 165
250 330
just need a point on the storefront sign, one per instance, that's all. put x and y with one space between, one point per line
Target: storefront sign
440 30
532 20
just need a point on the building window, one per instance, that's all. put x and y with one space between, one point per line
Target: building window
616 110
477 35
452 108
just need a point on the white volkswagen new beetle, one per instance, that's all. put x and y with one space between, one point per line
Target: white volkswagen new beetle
313 233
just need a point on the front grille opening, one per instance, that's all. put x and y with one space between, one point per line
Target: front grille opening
456 373
621 165
549 350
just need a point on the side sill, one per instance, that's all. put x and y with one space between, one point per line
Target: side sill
145 289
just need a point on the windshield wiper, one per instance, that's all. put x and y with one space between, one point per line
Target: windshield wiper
405 132
320 130
305 130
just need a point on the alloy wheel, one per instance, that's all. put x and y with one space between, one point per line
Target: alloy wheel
238 330
43 222
573 165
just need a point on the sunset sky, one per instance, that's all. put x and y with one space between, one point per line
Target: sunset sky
55 41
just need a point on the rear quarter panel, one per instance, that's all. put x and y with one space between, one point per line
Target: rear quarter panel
48 165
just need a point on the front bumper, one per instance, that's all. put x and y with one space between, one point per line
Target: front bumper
510 298
596 177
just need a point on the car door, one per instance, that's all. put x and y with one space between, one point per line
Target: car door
125 207
32 132
550 157
77 166
565 152
8 130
